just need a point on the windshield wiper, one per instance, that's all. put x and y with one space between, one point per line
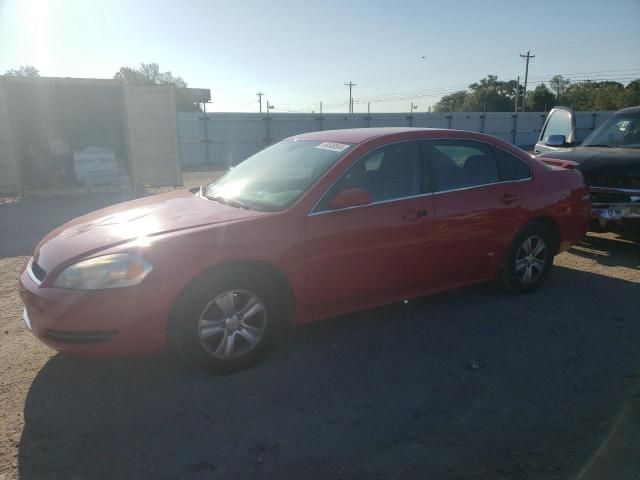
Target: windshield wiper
598 145
228 201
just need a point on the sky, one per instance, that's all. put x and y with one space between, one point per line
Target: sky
301 53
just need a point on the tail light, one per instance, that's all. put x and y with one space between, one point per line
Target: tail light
560 163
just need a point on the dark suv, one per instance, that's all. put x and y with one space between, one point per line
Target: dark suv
609 160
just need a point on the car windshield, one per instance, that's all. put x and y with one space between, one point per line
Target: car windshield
275 177
619 131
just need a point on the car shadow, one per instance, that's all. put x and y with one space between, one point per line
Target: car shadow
473 383
619 250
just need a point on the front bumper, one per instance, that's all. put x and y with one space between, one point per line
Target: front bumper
123 321
614 204
26 319
615 211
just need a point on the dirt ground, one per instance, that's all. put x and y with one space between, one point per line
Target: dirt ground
468 384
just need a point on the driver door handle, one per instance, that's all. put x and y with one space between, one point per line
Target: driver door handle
415 215
509 198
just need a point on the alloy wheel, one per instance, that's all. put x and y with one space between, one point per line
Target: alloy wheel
232 324
531 259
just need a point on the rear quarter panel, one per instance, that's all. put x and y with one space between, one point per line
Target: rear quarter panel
560 194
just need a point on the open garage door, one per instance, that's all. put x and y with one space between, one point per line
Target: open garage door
153 135
10 178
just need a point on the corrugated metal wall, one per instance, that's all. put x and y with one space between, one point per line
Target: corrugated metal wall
228 138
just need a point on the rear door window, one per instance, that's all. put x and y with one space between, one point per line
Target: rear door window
455 164
511 167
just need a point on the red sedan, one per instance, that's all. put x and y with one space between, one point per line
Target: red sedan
317 225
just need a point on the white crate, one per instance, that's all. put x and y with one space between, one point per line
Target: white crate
95 158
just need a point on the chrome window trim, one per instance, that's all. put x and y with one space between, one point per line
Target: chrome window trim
32 275
480 186
311 212
379 202
428 194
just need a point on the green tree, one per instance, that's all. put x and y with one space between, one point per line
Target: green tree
488 94
454 101
631 94
492 95
608 96
150 74
541 99
580 95
23 71
558 85
590 95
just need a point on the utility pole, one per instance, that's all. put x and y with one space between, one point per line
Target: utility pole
517 93
320 108
350 85
368 108
269 107
411 109
527 57
259 95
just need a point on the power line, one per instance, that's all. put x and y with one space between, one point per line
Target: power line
601 72
409 95
438 91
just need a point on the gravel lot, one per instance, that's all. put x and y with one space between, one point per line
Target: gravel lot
472 384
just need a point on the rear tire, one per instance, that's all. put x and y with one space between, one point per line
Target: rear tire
529 260
225 322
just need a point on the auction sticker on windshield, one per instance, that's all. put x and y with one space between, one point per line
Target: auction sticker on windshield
334 147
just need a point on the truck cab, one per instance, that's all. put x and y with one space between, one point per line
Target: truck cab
609 160
558 131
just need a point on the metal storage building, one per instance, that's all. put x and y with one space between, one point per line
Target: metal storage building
45 121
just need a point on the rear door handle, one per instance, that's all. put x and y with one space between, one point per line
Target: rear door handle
415 215
509 198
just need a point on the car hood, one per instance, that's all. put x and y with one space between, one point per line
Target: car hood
601 160
136 220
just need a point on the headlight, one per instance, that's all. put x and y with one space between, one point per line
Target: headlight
107 271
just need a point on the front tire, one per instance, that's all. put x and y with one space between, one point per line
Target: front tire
225 323
529 260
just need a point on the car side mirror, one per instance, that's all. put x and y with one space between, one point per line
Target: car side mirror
556 141
351 197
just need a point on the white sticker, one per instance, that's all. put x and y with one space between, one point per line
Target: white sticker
334 147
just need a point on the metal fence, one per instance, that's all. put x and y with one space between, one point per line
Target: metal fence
225 139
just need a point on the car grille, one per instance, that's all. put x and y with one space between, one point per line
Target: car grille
619 181
38 271
605 197
61 336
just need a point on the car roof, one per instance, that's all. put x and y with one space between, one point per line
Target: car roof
629 110
359 135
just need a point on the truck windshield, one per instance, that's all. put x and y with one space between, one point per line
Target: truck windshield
621 130
277 176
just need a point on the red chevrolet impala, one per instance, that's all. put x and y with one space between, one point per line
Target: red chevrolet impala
317 225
